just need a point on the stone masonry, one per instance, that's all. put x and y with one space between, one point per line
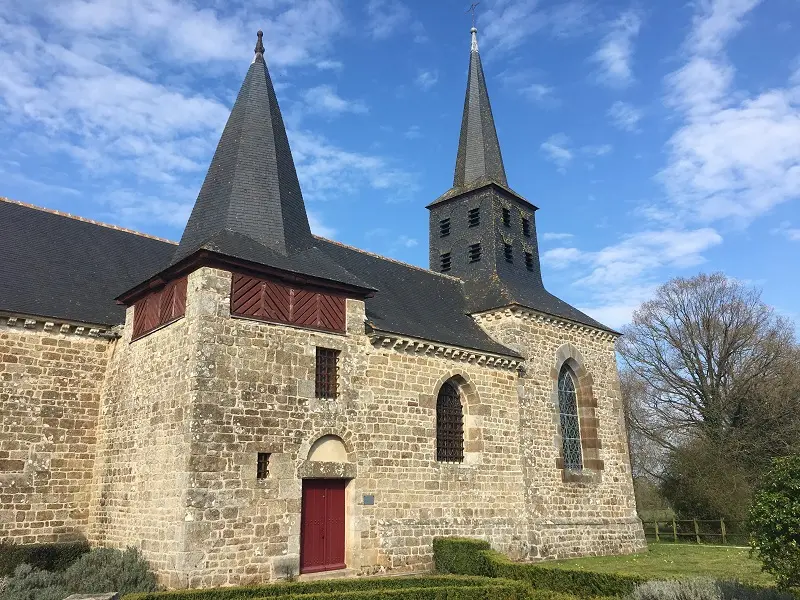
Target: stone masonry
51 376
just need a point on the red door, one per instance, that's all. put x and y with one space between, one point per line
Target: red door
322 525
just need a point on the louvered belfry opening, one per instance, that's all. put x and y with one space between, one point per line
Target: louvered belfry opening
449 424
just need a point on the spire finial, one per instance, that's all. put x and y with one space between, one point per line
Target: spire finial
473 31
259 45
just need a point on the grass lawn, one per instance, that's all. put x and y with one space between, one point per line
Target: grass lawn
669 561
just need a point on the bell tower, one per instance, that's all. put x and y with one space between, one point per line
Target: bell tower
481 230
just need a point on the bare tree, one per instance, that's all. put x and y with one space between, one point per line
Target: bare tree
711 380
702 349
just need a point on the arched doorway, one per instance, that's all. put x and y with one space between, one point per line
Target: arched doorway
322 518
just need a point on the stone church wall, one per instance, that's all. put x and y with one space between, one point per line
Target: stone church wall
254 392
50 383
571 514
140 475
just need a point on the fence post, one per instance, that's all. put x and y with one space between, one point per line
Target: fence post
656 523
674 530
696 530
724 536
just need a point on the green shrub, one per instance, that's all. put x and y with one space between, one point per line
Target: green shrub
110 570
28 583
474 557
47 557
775 521
419 587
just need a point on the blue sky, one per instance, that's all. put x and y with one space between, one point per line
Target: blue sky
657 138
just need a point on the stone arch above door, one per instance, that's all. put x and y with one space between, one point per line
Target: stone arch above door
326 455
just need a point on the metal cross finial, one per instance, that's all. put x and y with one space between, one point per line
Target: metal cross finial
471 9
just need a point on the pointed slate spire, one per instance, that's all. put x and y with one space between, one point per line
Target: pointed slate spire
251 187
479 157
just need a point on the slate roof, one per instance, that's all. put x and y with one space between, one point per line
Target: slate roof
479 160
64 267
251 186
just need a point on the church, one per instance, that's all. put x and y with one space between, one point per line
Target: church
256 402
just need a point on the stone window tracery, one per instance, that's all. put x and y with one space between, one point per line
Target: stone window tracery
569 420
449 424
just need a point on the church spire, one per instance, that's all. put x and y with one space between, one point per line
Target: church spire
251 188
479 158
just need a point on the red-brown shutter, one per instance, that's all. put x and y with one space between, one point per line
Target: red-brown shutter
280 303
159 308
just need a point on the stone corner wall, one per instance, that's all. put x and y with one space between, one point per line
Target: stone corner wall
51 377
571 513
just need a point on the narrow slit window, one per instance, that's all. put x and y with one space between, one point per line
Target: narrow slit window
449 424
444 260
327 373
569 421
529 261
526 227
474 252
508 253
474 217
262 465
444 227
506 217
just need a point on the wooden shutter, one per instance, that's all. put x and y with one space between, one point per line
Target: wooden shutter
159 308
280 303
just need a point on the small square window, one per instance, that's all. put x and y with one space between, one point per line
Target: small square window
474 252
327 373
445 262
529 261
526 227
506 217
474 217
508 253
262 465
444 227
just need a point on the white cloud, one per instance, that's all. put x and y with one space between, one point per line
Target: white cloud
386 17
324 99
413 133
786 230
625 116
506 24
556 149
621 276
597 150
615 54
556 236
327 171
406 242
318 227
736 155
427 79
539 93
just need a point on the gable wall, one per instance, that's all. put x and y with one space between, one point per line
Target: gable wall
50 386
572 514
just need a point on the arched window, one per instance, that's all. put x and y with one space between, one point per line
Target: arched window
449 424
570 424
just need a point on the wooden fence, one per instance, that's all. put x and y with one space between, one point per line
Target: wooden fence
698 531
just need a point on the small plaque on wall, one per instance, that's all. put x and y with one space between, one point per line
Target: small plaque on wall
369 499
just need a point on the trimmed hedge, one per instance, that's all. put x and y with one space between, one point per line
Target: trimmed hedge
475 557
367 588
46 557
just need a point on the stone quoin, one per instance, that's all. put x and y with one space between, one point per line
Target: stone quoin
262 401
